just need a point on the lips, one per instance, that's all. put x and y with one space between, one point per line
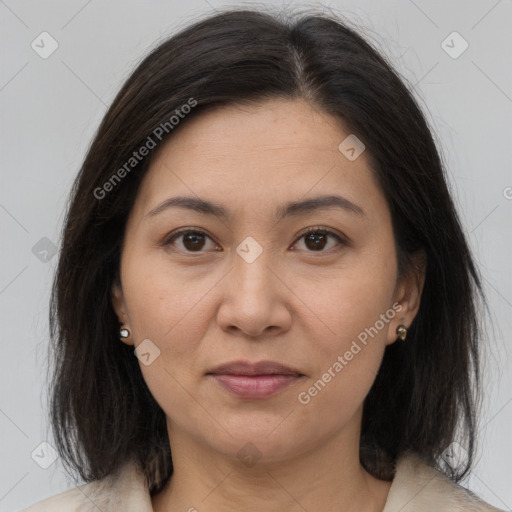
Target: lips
259 368
255 380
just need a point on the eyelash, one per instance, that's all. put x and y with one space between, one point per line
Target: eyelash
313 230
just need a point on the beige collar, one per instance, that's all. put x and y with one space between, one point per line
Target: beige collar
416 487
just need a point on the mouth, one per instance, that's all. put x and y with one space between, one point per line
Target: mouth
255 380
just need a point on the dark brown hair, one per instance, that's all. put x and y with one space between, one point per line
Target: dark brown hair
427 389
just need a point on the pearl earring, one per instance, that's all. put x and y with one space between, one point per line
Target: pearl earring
124 333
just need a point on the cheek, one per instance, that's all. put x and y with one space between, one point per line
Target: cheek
168 308
346 366
351 301
165 304
356 310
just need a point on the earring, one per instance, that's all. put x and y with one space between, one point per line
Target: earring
124 333
401 332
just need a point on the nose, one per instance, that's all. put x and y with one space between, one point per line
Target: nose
255 299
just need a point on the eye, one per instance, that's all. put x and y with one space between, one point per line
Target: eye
316 239
193 240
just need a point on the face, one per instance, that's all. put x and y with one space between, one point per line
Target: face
248 283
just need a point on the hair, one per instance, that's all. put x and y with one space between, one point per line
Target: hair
427 390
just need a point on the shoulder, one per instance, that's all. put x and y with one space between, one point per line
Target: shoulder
126 490
418 487
69 500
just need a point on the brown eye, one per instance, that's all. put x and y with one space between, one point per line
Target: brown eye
191 240
196 241
316 239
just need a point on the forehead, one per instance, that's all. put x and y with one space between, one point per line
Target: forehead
251 157
275 126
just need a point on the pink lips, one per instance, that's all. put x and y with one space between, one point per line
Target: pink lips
255 380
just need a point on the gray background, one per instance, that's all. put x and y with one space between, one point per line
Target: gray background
51 108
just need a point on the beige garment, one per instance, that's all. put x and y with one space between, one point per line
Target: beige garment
416 487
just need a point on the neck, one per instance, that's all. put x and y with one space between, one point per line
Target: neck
327 477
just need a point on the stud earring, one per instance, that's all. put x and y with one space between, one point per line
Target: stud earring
401 332
124 333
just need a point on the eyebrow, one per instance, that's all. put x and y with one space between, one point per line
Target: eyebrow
293 208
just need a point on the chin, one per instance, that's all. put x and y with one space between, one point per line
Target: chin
257 442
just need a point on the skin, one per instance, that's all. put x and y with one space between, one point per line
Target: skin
295 305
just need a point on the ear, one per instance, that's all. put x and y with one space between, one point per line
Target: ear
119 305
408 294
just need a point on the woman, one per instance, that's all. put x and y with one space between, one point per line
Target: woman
263 220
